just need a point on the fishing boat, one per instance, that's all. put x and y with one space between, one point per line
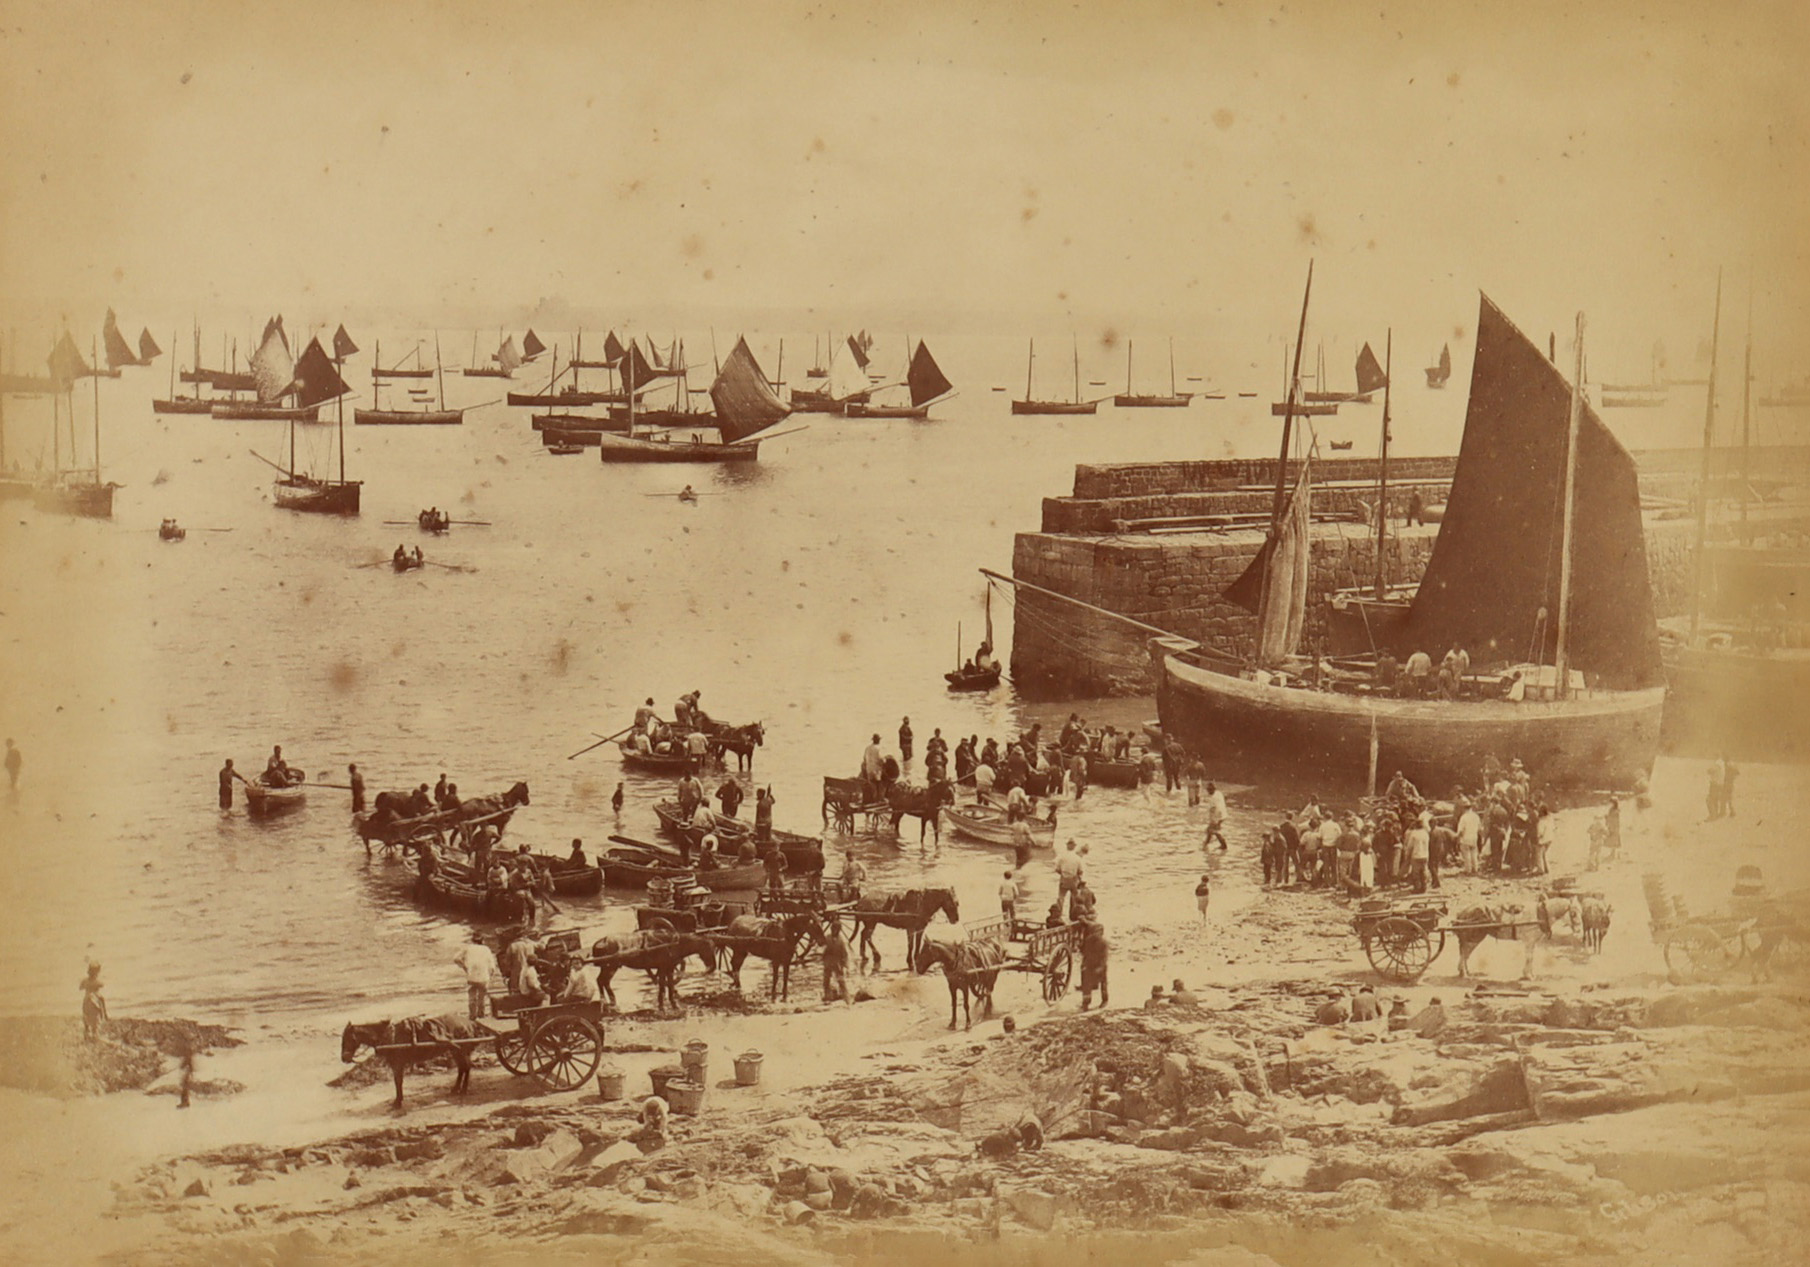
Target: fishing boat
446 891
746 408
317 381
1440 372
377 416
263 799
405 563
1544 516
924 380
674 762
1789 396
565 450
1106 772
273 382
73 490
1370 380
507 360
1129 399
175 404
803 853
532 347
402 370
625 868
1062 407
1648 395
988 825
827 399
982 672
571 879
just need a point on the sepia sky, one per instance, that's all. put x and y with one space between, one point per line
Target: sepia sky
989 166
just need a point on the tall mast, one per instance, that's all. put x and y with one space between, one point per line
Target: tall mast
440 371
1128 367
2 433
376 365
1746 405
1709 432
339 406
1029 360
56 437
1382 470
1571 430
1288 416
94 352
172 366
1172 365
1076 340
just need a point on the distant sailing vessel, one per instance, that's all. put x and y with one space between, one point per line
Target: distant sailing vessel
377 416
1439 374
1029 405
924 380
1790 396
507 360
1129 399
1370 380
746 407
74 490
401 370
826 399
1544 517
273 379
317 381
175 404
982 672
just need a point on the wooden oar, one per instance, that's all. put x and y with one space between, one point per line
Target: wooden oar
450 567
601 742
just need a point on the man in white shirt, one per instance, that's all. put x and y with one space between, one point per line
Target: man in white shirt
1216 817
697 747
1470 833
1068 877
873 766
983 783
581 986
1018 804
477 961
1008 897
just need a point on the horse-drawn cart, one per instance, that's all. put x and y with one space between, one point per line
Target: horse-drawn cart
1760 938
1401 939
1035 948
846 799
560 1045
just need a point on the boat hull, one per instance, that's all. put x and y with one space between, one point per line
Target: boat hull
1746 703
1060 408
89 501
1602 740
251 411
554 399
973 679
1106 773
625 872
614 420
483 372
402 373
318 497
989 826
658 763
1322 409
887 411
182 405
803 854
266 802
1123 401
615 448
408 417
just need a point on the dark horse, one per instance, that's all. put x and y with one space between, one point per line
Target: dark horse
425 1037
970 967
778 941
922 803
659 953
741 740
389 822
911 910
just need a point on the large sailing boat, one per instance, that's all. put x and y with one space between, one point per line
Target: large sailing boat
317 381
74 490
273 376
924 380
1032 406
746 408
1370 380
506 360
1129 399
826 399
378 416
175 404
1544 516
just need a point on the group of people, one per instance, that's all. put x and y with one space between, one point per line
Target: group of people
1418 679
1403 840
1362 1007
403 557
687 734
535 970
1721 797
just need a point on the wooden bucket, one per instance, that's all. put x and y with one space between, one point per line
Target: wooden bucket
747 1068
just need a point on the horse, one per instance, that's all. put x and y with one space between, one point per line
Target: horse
415 1032
658 953
911 910
1595 917
741 740
1506 922
970 967
775 940
703 917
483 806
923 803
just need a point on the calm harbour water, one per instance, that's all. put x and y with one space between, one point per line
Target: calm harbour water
818 591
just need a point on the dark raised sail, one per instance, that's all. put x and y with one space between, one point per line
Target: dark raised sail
532 346
925 378
343 345
66 363
612 348
745 402
148 350
119 352
1370 374
316 377
1495 564
857 351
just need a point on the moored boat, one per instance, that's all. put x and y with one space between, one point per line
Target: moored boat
316 380
987 824
802 853
1031 406
263 800
925 381
1106 772
1129 399
633 868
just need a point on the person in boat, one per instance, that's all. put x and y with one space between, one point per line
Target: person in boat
276 770
1072 735
440 790
577 857
707 844
427 860
763 815
1400 791
681 713
701 816
1419 670
700 720
644 743
418 559
644 717
690 793
983 657
1387 673
401 557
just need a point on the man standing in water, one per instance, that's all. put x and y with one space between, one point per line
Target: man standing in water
905 740
13 761
227 775
356 782
1216 817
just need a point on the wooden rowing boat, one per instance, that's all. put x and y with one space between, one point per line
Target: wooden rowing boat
408 417
622 448
659 762
448 893
802 853
1104 772
633 868
263 800
988 824
570 880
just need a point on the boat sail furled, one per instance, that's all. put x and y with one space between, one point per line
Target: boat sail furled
1539 573
1274 587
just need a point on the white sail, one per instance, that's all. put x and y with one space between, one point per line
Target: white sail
508 357
272 367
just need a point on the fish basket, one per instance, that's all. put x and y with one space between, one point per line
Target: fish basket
610 1083
747 1068
663 1076
685 1096
695 1059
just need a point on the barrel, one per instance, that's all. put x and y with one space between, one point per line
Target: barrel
610 1084
747 1068
685 1096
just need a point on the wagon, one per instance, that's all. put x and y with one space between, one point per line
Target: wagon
1701 947
1401 938
844 799
1048 952
560 1045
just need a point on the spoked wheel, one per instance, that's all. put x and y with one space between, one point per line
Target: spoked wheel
1696 952
1058 974
1399 948
512 1052
566 1051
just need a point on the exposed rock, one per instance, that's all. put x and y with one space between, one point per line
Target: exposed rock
1030 1206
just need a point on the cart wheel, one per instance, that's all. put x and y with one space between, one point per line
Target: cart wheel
512 1052
1399 949
1058 974
1695 952
566 1052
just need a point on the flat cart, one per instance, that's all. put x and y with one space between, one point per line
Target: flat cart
1401 938
1697 947
560 1045
846 799
1031 947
